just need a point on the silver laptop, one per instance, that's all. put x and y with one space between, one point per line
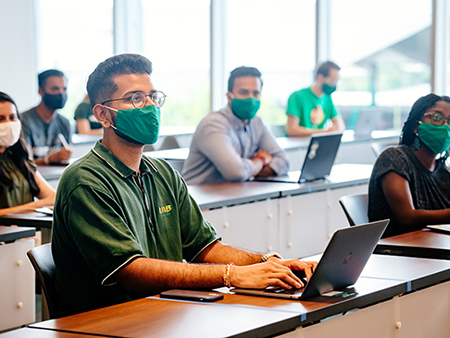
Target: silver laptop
318 161
340 266
443 228
367 122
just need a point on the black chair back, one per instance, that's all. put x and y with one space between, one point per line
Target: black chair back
42 260
355 208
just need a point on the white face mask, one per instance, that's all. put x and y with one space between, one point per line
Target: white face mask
9 133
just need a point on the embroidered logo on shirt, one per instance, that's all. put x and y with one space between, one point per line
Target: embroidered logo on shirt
165 209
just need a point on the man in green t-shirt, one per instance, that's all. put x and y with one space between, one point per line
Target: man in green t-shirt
310 110
124 223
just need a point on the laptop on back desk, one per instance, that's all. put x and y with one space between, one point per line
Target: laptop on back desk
318 161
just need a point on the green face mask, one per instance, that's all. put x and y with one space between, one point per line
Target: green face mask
437 138
140 125
245 109
327 89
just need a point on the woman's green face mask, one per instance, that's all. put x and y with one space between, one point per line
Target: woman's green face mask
437 138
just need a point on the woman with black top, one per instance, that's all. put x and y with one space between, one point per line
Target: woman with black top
20 182
410 183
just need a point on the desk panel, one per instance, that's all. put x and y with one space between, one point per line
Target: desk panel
17 279
252 226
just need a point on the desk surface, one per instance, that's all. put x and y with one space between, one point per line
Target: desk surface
218 195
292 143
170 154
164 131
342 175
154 317
8 234
51 172
238 315
416 272
34 219
422 243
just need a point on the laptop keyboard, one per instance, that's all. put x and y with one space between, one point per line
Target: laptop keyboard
284 291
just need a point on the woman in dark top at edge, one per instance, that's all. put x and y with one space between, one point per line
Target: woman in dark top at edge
410 183
20 183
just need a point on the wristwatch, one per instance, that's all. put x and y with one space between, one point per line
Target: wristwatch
266 257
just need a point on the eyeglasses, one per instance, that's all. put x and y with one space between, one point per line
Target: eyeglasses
437 118
139 99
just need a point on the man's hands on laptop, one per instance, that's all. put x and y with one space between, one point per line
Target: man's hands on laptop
274 272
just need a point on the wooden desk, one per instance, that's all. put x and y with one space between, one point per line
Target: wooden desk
387 299
34 219
422 243
154 317
235 315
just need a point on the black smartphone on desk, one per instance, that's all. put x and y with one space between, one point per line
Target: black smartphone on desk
199 296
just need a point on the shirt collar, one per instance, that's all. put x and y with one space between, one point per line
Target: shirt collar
146 166
233 119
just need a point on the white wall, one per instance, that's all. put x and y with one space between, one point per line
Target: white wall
18 76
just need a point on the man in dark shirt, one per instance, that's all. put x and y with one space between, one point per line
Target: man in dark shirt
46 131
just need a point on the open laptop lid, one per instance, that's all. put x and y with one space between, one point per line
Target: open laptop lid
320 156
367 121
341 264
318 162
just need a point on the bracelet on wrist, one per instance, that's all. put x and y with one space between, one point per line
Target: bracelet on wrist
226 276
264 161
266 257
47 159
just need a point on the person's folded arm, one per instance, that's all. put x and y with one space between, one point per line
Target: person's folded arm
218 148
280 162
398 195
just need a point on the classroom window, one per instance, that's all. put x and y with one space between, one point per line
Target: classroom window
75 36
383 48
278 38
176 40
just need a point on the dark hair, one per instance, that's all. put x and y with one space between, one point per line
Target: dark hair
241 72
419 108
42 77
325 68
19 155
101 86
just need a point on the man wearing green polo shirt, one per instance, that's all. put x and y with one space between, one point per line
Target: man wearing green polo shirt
311 110
125 225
